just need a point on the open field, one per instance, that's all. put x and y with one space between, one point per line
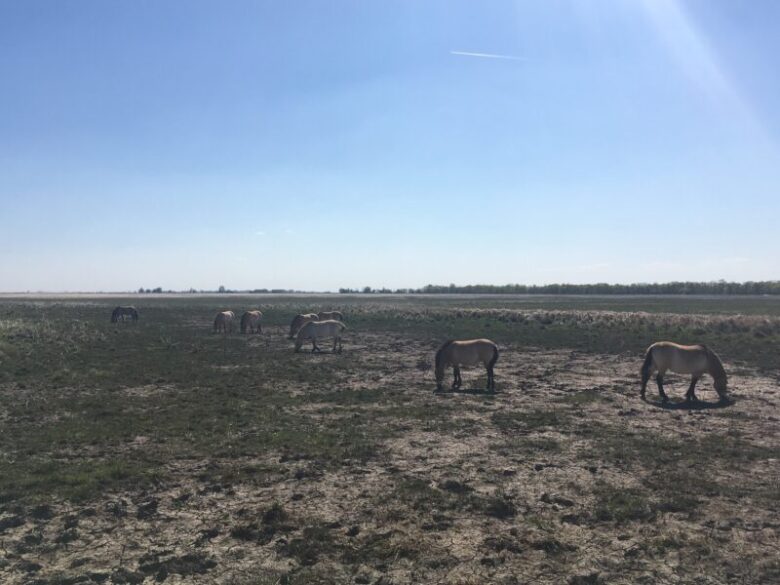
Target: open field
159 452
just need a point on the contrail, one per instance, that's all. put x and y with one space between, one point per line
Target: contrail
486 55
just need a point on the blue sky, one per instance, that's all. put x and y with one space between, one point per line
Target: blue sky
315 145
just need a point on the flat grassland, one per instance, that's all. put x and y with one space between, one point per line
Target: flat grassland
161 452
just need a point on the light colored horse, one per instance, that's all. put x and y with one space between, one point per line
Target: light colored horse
330 316
252 320
466 353
224 322
123 313
695 360
301 320
315 330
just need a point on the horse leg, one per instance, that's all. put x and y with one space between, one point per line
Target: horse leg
491 380
689 395
456 381
659 379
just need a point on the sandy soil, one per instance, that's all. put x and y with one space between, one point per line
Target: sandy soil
454 499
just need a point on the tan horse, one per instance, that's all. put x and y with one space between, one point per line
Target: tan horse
301 320
466 353
224 322
124 313
330 316
695 360
252 320
315 330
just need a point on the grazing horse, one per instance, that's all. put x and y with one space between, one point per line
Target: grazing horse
301 320
252 320
466 353
123 313
317 330
330 316
224 322
695 360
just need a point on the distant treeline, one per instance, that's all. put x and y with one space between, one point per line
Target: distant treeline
721 287
221 290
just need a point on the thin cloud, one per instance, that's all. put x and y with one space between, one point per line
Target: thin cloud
486 55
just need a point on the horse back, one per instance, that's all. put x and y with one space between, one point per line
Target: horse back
471 352
682 359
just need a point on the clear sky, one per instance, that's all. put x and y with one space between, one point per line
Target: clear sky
313 145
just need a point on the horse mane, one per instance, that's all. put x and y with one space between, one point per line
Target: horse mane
444 346
716 366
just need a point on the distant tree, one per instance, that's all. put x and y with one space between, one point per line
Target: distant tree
221 288
141 290
367 290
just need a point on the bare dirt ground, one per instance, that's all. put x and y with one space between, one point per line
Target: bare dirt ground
562 476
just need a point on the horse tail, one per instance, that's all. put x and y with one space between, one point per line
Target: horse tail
648 364
494 359
243 322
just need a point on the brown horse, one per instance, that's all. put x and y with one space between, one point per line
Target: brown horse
224 322
252 320
330 316
301 320
314 330
466 353
695 360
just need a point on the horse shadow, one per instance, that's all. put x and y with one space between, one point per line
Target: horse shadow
468 391
692 405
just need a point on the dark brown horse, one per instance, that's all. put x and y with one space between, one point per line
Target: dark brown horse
124 313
